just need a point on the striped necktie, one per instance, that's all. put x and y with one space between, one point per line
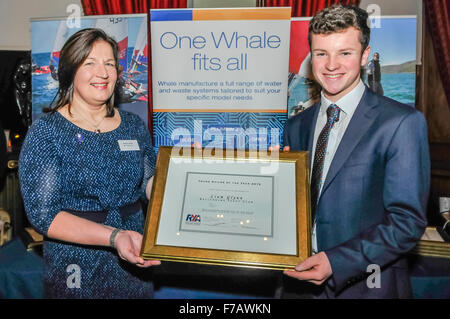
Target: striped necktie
319 155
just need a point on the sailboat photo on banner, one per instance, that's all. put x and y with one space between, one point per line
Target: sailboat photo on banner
393 42
130 32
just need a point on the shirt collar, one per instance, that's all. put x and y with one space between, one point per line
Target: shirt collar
348 102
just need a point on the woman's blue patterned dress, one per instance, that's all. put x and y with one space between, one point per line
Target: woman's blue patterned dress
64 167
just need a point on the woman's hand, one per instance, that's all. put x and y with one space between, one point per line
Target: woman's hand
128 245
277 147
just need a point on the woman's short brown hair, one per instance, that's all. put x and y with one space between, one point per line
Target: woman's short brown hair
74 52
338 18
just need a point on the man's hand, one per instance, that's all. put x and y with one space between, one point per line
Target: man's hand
316 269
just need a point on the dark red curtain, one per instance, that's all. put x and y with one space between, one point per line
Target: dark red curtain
103 7
307 8
99 7
437 14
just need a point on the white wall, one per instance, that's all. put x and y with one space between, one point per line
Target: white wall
15 15
15 18
395 7
401 7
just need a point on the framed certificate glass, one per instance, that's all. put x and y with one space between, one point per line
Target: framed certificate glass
229 207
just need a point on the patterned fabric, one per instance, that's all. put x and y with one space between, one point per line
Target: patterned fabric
62 166
319 155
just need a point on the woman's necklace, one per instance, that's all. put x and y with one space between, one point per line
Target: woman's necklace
95 126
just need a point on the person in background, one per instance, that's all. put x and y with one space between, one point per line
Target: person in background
83 169
374 74
2 154
370 171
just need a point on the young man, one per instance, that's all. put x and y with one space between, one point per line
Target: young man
370 171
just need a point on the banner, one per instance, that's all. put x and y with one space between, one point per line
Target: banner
392 37
218 73
130 32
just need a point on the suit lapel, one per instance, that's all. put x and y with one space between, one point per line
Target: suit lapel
310 124
364 116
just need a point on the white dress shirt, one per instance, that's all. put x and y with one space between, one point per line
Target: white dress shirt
347 104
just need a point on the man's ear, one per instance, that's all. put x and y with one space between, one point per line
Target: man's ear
365 56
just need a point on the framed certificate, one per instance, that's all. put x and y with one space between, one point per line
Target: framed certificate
229 207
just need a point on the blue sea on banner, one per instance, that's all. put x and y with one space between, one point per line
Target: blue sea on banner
45 87
225 129
400 87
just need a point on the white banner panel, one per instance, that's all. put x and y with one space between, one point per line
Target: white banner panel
221 60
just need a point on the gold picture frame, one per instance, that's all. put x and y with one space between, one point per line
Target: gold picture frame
278 259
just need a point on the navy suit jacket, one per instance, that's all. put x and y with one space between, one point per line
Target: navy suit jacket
372 209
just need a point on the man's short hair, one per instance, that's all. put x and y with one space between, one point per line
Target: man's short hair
338 18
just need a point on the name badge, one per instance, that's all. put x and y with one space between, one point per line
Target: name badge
128 145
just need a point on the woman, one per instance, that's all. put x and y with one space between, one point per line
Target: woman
83 168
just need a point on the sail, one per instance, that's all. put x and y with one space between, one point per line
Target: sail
140 52
306 68
60 39
299 47
117 28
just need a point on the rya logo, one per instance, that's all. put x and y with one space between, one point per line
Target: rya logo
193 218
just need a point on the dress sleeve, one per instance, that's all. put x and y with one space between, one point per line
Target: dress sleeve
149 160
39 176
